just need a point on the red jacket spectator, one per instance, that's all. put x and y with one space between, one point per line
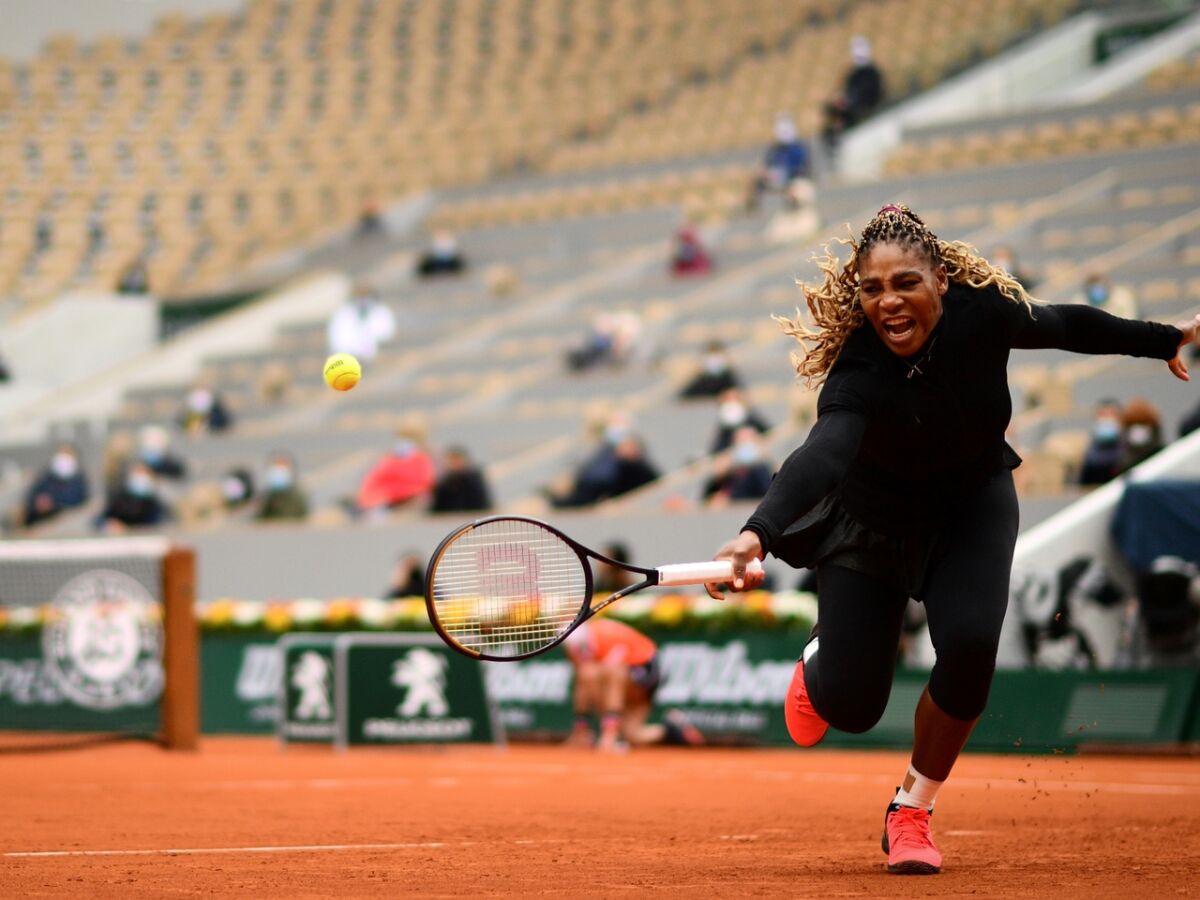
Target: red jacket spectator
404 474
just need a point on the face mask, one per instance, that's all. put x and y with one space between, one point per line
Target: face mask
233 490
1097 294
1139 435
745 455
200 401
614 434
731 413
140 485
279 478
64 465
404 448
1106 431
714 365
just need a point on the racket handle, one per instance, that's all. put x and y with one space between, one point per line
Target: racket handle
701 573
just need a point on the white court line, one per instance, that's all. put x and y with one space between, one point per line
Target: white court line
196 851
606 779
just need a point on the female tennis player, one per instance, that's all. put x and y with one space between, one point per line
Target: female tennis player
904 486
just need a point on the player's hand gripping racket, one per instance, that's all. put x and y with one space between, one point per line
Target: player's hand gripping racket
510 587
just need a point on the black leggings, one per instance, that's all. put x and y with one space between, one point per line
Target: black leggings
965 595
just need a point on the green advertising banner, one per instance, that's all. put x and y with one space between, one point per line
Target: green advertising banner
730 684
306 688
51 684
409 689
240 675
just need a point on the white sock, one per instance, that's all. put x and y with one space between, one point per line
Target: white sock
809 650
922 793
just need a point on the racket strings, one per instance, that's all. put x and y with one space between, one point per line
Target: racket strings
508 587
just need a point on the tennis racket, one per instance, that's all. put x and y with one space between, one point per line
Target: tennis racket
511 587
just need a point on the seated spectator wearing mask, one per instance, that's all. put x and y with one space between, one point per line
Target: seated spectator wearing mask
1102 459
135 503
442 257
237 488
716 374
461 487
1141 432
1004 257
619 465
361 324
741 475
282 497
403 475
1099 291
787 160
690 257
203 411
153 449
734 412
60 486
408 577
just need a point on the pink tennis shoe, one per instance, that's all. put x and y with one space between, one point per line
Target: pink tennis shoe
803 723
908 841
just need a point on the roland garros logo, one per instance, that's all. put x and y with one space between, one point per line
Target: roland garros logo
103 645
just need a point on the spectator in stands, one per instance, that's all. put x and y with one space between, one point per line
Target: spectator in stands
154 449
787 161
405 474
689 257
361 324
204 411
237 488
734 412
1102 459
408 577
135 503
862 93
1141 432
442 257
618 466
283 498
134 278
742 474
1005 257
370 220
611 339
5 376
461 486
608 579
1099 291
716 374
60 486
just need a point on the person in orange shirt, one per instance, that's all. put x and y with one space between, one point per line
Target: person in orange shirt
616 676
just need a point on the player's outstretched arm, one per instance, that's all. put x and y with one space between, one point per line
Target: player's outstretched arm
1085 329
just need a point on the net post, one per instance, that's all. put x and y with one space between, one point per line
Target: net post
181 665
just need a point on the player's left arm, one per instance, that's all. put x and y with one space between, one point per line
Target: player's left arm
1085 329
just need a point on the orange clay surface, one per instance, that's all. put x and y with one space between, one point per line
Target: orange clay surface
244 817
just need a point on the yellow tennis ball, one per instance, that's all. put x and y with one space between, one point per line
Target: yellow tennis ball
342 371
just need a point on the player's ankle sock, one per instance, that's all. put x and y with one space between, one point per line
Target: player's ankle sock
917 790
583 722
610 724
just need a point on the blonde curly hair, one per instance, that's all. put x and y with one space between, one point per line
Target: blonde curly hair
835 305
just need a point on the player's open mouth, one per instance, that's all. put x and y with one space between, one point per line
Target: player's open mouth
900 327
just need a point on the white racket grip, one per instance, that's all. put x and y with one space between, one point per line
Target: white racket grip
701 573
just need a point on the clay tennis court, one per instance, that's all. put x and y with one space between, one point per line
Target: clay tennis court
129 820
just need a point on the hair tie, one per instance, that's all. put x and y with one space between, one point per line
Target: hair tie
892 207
